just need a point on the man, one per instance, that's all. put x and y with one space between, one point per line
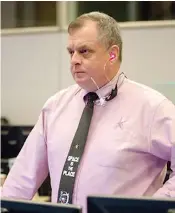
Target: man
131 135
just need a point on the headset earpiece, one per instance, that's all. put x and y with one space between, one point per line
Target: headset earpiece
112 56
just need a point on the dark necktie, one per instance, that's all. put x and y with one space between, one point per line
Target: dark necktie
72 162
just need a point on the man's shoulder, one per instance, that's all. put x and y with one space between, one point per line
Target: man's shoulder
61 95
144 93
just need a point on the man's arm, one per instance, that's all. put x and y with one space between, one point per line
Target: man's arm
30 167
162 137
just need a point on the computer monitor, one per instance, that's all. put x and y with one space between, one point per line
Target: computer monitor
113 204
18 206
25 131
10 144
13 139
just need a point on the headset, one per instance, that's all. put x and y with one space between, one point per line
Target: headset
112 56
114 91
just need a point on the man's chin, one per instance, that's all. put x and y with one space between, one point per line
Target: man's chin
86 85
81 79
82 84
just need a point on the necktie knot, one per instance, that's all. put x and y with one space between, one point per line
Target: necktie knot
91 97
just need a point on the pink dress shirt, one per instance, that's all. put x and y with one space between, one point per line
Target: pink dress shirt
130 140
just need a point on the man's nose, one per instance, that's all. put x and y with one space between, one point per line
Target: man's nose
75 59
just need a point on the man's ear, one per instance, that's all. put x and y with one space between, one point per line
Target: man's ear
114 53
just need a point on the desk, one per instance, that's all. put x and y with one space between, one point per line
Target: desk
38 198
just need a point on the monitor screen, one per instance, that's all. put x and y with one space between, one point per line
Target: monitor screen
102 204
18 206
12 140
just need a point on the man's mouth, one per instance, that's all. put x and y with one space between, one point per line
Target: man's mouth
79 72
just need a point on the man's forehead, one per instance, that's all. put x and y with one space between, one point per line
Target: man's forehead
76 43
87 34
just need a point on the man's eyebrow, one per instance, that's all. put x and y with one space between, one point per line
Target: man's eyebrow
69 49
84 46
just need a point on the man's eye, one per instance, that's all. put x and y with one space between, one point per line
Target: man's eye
84 51
71 52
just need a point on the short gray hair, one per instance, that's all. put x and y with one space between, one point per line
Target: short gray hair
107 26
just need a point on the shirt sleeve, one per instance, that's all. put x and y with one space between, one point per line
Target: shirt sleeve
30 167
162 138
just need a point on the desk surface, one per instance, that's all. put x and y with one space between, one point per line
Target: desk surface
38 198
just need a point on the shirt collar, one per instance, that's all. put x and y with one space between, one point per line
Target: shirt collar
106 89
